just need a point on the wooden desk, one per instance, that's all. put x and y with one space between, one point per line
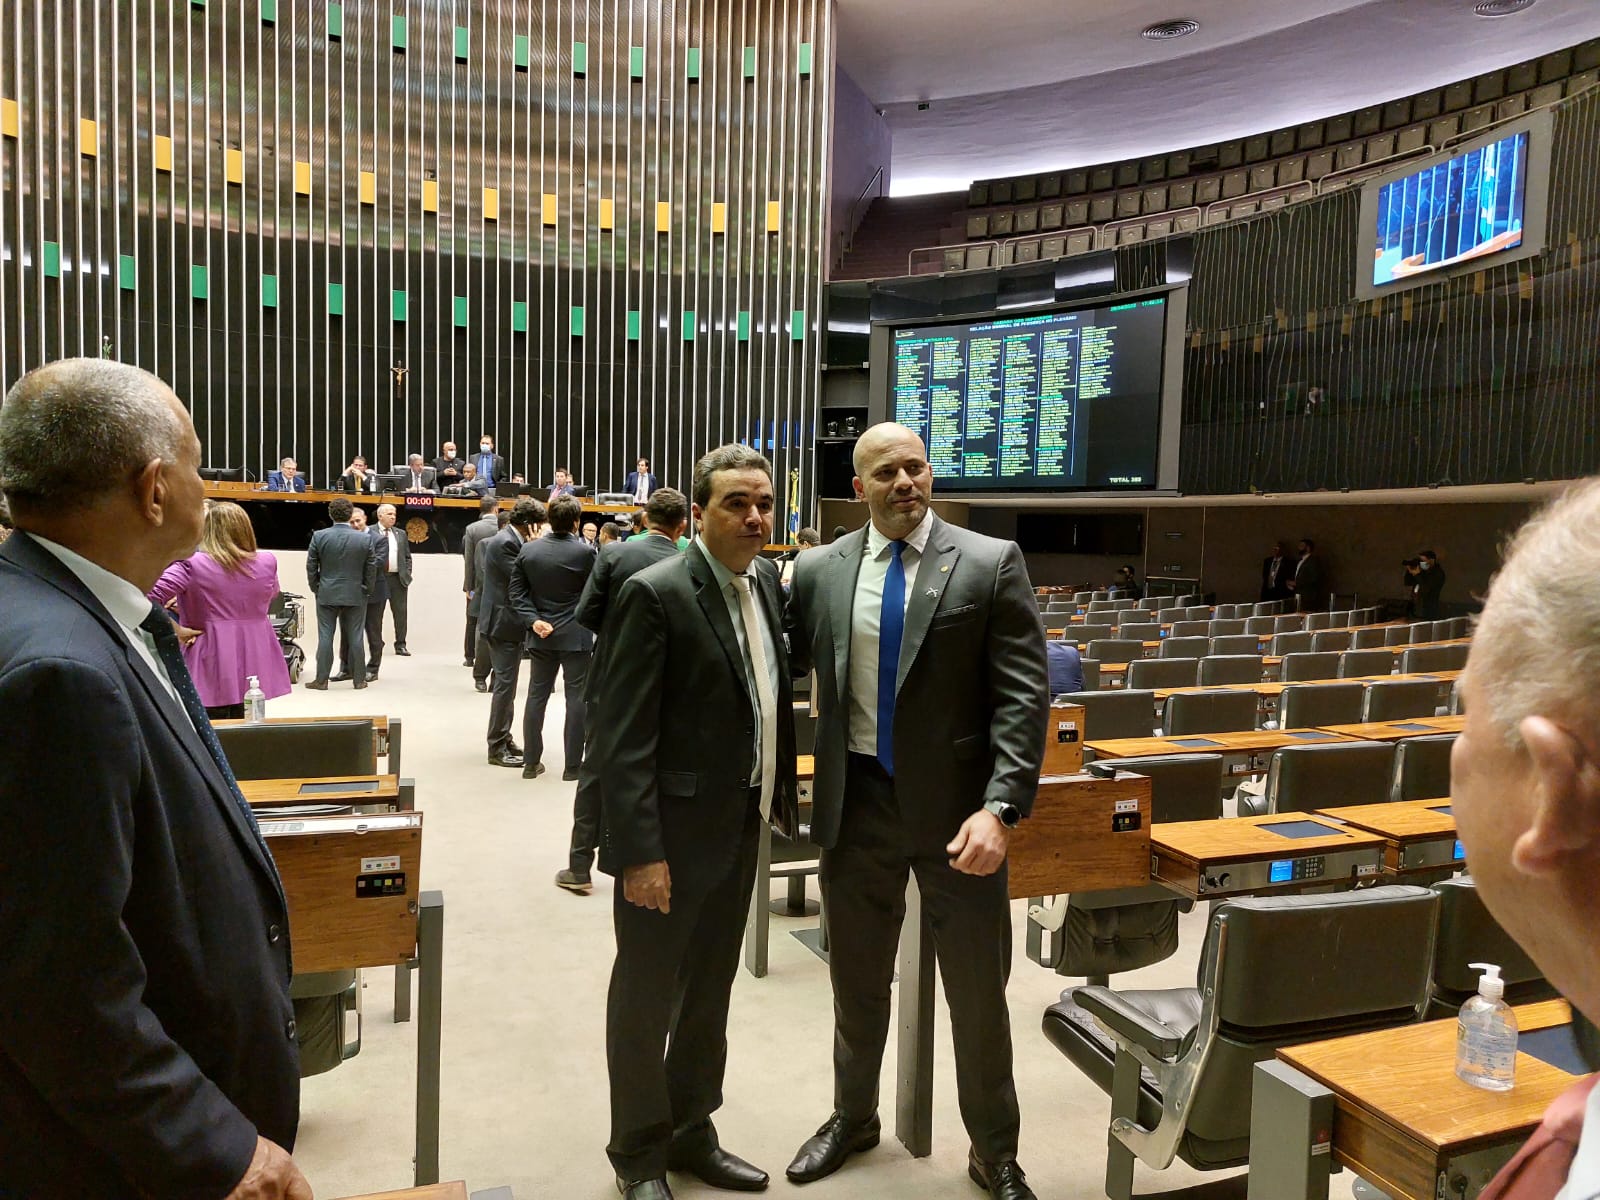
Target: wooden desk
1063 740
1244 856
1419 835
1273 688
1394 731
278 793
437 1191
1405 1122
1243 753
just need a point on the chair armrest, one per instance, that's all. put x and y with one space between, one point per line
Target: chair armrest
1251 805
1128 1023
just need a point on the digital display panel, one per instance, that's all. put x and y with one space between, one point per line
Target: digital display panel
1465 207
1461 851
1059 402
1282 871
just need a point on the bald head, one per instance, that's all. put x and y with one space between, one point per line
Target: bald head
69 428
894 478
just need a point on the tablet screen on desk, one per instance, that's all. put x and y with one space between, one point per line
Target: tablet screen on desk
1298 829
355 785
1195 743
1446 809
1412 726
1308 735
1557 1046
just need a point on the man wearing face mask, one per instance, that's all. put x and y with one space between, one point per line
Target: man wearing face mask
1429 582
491 468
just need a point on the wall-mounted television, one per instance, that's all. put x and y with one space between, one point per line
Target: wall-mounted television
1479 204
1066 400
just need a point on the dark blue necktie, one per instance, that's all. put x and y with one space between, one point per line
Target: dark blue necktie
891 625
486 466
159 626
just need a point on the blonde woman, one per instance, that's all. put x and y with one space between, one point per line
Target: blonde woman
224 592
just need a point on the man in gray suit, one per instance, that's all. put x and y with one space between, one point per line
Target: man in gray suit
475 654
340 569
931 680
504 629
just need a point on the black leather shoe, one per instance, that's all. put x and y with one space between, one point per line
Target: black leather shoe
402 652
466 662
317 685
570 775
361 683
481 684
714 1166
341 677
532 770
1003 1180
572 881
645 1189
825 1151
505 759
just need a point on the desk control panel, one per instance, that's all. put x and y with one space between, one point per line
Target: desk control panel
1356 867
1444 851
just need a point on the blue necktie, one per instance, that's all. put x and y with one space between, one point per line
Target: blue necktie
891 625
486 466
159 626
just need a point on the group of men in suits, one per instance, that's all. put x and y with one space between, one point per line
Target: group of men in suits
931 681
355 573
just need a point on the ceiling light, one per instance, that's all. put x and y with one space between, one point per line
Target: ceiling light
1501 8
1165 31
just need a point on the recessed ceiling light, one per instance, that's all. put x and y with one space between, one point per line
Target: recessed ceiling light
1165 31
1501 8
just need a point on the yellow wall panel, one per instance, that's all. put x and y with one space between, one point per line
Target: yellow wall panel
719 217
10 119
369 187
547 208
430 195
302 178
774 216
88 138
491 204
235 166
163 153
664 216
608 214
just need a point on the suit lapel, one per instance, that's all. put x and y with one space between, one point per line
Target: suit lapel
933 574
841 607
715 609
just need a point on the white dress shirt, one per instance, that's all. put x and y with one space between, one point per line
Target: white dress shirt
864 620
1583 1179
730 596
394 551
127 605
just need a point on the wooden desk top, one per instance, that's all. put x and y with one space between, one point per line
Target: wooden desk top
380 722
265 792
1244 742
434 1191
1394 731
805 766
1405 1079
1404 821
1275 687
1242 839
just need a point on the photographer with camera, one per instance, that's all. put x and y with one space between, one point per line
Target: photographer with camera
1424 582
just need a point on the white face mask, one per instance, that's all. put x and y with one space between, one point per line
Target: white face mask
485 447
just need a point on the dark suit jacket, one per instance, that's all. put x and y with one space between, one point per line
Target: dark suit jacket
972 698
483 527
1430 584
1310 585
499 472
443 464
616 563
428 474
496 618
560 489
1276 589
546 586
348 483
144 1005
673 724
277 483
380 555
632 483
340 566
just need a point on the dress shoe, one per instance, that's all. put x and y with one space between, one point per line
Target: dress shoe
372 673
645 1189
317 685
361 683
466 662
505 759
532 770
341 677
570 774
1003 1180
714 1166
402 652
825 1151
481 684
574 882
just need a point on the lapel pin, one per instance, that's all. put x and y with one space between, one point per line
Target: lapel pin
934 592
945 570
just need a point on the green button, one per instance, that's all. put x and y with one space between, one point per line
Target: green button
692 67
397 32
397 305
519 316
577 320
580 58
463 43
52 260
688 326
633 324
519 51
797 325
636 61
269 291
744 327
128 273
335 20
269 11
199 283
805 58
336 299
749 62
461 312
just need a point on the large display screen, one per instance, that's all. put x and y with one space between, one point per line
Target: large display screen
1063 401
1462 208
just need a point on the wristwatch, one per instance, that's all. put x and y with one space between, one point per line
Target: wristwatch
1010 815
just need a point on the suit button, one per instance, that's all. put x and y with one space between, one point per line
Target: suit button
274 934
289 1029
744 783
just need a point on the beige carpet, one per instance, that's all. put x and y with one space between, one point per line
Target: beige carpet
526 967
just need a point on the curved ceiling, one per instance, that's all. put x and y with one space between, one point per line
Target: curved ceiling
1032 85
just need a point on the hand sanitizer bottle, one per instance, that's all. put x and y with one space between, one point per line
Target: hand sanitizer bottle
255 703
1486 1035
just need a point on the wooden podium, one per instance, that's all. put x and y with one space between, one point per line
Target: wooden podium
1086 834
1063 741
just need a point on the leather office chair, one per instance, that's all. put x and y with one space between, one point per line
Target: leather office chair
1263 625
1140 631
1421 631
1323 775
1091 631
1288 623
1197 611
314 750
1151 604
1468 933
1224 627
1369 639
1191 601
1397 635
1422 767
1184 647
1099 605
1116 650
1312 705
1331 639
1208 712
1292 642
323 1002
1398 699
1319 620
1355 664
1082 597
1116 713
1190 628
1235 643
1433 658
1459 627
1091 673
1230 668
1162 672
1301 665
1276 971
1268 608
